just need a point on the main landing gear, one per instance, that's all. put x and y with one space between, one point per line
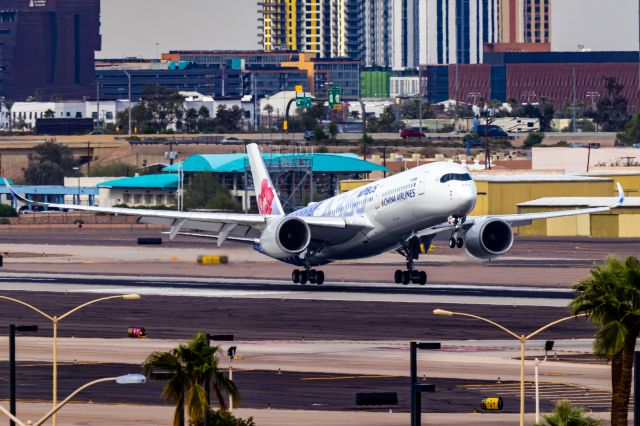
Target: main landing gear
411 251
307 275
456 240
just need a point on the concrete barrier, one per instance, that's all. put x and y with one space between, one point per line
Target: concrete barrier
213 260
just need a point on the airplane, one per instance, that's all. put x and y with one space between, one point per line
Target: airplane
399 213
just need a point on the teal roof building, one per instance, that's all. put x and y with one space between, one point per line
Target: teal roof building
236 163
158 181
300 178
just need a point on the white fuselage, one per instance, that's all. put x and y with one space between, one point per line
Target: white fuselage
396 208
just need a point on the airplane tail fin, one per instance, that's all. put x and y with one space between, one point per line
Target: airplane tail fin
268 201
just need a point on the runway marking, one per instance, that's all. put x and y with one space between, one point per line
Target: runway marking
550 391
347 378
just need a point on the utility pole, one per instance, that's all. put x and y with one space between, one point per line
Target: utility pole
98 105
129 77
575 124
12 364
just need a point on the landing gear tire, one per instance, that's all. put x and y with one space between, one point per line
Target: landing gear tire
397 276
459 242
320 278
415 277
452 242
304 277
422 278
406 277
295 276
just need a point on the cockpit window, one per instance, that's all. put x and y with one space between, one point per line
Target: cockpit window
455 176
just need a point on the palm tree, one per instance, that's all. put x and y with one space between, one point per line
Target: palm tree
611 299
190 366
268 108
566 415
191 119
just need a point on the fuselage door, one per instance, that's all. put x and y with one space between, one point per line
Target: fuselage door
377 198
422 183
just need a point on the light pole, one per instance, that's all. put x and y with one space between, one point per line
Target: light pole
127 379
55 320
129 78
521 338
77 170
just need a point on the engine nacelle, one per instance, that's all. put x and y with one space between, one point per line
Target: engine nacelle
488 238
285 237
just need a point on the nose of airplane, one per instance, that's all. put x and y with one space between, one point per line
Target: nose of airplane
465 197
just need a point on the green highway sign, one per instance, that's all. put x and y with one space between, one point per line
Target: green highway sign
304 102
335 96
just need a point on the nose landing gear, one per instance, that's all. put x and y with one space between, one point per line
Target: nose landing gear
456 240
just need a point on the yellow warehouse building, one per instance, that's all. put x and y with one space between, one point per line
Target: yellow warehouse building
621 222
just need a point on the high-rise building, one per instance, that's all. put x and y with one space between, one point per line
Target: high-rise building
48 47
511 21
537 24
378 33
456 30
329 28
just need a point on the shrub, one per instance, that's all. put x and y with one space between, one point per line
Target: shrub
533 138
7 211
225 418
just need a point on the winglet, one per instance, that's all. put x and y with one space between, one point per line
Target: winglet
620 195
17 196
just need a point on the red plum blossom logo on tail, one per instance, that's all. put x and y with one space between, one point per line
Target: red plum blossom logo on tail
265 200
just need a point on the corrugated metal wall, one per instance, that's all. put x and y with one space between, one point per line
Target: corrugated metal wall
504 197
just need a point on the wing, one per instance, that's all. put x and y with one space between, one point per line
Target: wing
239 227
522 219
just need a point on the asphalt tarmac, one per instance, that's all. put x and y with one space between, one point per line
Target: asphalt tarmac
270 389
280 319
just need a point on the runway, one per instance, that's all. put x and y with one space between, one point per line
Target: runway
221 287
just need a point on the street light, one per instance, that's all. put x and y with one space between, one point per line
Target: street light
129 78
522 339
54 319
127 379
77 169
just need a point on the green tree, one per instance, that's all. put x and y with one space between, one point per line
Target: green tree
611 299
190 366
114 170
333 130
566 415
162 107
533 138
191 119
631 133
228 119
49 114
203 113
8 106
268 108
611 110
49 164
207 192
225 418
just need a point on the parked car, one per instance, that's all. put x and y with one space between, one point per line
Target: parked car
492 131
308 135
636 145
231 139
412 133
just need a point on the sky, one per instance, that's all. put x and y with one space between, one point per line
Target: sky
595 24
133 27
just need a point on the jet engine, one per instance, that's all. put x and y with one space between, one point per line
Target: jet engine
285 237
488 238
